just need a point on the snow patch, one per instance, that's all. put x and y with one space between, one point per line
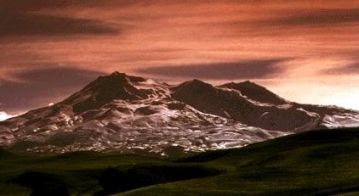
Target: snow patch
5 116
341 120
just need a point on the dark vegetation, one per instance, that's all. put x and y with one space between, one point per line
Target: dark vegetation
115 180
324 162
43 184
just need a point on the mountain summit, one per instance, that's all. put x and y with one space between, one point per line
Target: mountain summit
255 92
126 113
105 89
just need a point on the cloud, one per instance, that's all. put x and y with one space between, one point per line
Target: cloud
315 17
42 86
15 24
250 69
34 5
352 68
26 18
4 116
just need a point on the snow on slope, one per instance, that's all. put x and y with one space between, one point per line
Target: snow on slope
341 120
142 114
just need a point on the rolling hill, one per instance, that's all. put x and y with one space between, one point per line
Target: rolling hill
322 162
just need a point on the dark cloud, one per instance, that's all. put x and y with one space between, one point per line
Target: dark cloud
348 69
24 18
250 69
36 5
42 87
316 17
15 24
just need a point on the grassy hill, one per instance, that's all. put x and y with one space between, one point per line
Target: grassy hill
314 163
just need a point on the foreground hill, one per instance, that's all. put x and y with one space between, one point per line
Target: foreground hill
324 162
127 114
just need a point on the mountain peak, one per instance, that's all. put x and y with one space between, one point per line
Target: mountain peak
207 98
112 79
119 76
105 89
255 92
194 85
115 73
247 83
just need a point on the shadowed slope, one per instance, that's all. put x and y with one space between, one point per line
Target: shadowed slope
231 104
255 92
207 98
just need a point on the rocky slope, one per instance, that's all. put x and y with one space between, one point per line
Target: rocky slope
127 113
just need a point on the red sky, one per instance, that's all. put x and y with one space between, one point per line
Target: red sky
305 51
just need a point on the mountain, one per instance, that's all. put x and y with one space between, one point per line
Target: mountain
126 113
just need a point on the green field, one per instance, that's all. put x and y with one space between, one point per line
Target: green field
322 162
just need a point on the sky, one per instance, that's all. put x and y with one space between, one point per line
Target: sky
304 50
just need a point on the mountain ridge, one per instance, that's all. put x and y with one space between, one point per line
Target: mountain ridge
255 92
124 113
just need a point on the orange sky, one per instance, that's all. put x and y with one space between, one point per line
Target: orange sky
306 51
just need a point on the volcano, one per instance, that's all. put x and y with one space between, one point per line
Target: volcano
124 113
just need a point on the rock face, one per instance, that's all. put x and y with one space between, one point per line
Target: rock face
129 114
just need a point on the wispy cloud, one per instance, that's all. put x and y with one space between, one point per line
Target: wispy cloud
352 68
55 4
315 17
173 40
29 24
42 86
251 69
27 18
